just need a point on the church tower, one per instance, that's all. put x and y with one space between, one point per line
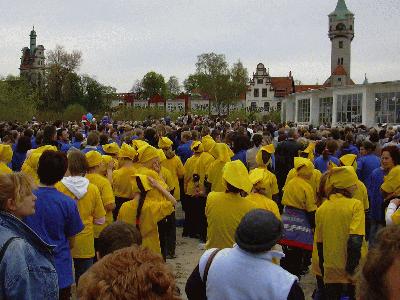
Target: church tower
341 34
33 61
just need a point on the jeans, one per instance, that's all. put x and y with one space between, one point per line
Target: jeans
81 265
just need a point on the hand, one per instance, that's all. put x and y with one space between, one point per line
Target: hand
395 202
110 165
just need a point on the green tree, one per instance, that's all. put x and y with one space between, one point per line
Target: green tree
173 87
60 65
191 83
239 80
18 99
96 96
153 84
223 85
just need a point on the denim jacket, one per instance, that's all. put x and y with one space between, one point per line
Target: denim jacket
27 269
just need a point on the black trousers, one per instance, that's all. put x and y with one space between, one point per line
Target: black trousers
296 260
201 218
118 203
170 235
162 235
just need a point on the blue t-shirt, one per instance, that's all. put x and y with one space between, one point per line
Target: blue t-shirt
365 165
63 146
322 165
55 220
184 151
17 161
241 155
375 195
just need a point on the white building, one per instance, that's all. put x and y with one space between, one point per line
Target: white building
33 61
368 104
265 93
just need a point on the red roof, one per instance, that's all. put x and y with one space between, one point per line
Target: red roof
283 86
127 97
340 71
157 99
302 87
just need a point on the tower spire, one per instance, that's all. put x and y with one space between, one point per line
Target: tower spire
341 11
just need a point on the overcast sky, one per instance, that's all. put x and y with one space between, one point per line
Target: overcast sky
121 40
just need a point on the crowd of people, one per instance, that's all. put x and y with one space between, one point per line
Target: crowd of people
93 203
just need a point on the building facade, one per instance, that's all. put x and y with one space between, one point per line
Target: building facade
33 61
265 93
368 104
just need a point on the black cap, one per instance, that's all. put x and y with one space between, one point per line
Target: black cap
258 231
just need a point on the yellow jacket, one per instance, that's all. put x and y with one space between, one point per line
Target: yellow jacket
107 197
122 182
153 211
175 166
224 211
90 207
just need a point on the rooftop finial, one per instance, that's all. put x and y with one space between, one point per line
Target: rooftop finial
365 79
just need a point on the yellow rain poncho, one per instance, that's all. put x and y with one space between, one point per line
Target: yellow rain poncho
361 192
391 182
164 143
152 212
31 162
266 181
6 154
111 148
222 154
93 158
269 149
197 164
225 210
208 143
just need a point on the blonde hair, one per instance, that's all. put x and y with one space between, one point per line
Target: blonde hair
14 186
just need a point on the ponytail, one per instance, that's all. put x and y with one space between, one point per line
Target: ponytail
325 154
143 194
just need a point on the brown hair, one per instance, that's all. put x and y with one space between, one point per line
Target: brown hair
14 186
77 163
93 138
116 236
129 273
372 283
322 193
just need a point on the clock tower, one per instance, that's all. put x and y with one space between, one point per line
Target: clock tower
341 34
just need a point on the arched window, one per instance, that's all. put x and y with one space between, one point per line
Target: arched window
338 61
341 61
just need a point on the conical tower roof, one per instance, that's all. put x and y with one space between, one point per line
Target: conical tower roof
341 12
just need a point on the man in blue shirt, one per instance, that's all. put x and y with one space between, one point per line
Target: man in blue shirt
376 210
367 163
63 140
56 219
184 151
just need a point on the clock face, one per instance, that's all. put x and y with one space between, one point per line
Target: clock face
341 27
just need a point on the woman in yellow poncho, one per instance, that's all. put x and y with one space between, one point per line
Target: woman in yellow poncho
121 178
339 233
6 154
224 210
145 212
260 180
173 164
316 176
263 160
195 175
298 217
222 154
112 150
31 162
96 164
361 192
